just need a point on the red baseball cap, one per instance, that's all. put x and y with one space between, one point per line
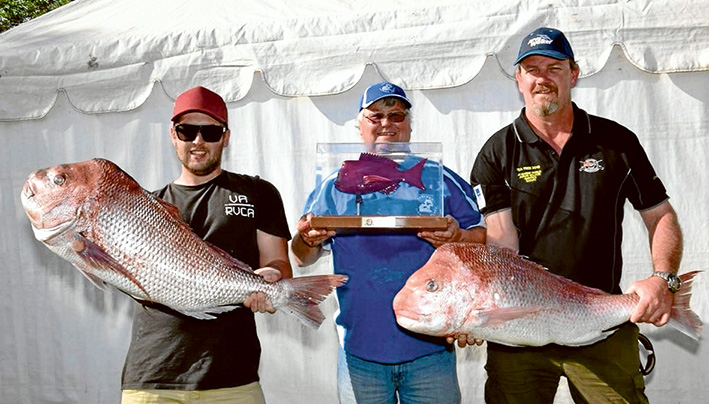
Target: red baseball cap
200 99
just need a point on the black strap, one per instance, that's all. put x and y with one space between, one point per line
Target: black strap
650 364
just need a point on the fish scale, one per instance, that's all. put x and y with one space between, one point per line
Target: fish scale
98 218
491 293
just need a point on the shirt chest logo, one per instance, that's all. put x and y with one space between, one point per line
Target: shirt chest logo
591 165
529 174
239 205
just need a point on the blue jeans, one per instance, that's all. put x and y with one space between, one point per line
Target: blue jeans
430 379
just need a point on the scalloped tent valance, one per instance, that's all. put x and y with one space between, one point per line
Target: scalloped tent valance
107 55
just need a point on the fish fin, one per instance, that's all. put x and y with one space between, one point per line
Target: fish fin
210 313
234 261
499 315
374 179
413 175
377 158
369 179
307 292
93 279
170 208
682 318
95 256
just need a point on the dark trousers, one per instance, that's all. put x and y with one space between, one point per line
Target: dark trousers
605 372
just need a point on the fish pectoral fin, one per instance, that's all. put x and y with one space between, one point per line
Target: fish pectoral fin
171 209
97 257
209 314
496 316
93 279
373 179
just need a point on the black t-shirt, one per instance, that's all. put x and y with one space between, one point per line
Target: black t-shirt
568 209
172 351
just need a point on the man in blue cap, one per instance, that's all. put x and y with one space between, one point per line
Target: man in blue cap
552 186
378 360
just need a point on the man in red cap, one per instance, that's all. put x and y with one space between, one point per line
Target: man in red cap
176 358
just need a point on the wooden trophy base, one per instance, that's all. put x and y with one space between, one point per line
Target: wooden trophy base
379 223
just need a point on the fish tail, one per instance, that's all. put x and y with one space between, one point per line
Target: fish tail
413 174
682 317
307 293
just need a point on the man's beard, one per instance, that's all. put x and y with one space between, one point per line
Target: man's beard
545 108
205 168
548 103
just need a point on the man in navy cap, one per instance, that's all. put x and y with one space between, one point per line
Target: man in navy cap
552 186
379 360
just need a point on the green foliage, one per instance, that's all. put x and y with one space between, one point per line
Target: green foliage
15 12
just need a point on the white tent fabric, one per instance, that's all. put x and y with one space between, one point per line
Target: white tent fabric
318 47
96 78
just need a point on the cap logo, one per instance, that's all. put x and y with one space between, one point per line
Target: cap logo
387 88
539 40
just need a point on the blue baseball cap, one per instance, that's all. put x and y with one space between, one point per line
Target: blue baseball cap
546 42
380 90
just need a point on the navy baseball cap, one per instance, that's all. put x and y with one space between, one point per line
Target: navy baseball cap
384 89
546 42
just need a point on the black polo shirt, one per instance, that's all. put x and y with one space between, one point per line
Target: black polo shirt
568 208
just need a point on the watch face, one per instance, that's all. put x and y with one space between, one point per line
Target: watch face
673 283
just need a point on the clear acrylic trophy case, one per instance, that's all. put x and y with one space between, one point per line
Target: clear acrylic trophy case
381 186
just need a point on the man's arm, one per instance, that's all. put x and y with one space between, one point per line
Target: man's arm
274 262
501 230
307 242
666 250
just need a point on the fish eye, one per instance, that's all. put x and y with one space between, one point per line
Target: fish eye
59 180
431 285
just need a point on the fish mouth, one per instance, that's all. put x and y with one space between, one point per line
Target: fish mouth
28 190
408 314
28 203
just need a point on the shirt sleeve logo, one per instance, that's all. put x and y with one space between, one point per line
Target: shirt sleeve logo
591 165
479 196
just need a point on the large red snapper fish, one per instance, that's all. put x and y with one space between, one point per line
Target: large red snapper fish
493 294
98 218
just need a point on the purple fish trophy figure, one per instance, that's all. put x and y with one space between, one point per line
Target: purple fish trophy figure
374 173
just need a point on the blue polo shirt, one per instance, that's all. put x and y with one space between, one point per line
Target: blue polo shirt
378 265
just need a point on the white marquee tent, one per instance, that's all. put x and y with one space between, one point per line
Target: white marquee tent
96 78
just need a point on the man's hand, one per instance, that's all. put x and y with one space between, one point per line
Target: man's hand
465 340
310 236
258 301
439 237
655 303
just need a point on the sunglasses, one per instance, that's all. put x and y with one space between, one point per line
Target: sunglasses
210 133
392 117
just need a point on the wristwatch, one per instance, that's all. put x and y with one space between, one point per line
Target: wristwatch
673 281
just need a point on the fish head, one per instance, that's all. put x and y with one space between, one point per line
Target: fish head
52 197
437 299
